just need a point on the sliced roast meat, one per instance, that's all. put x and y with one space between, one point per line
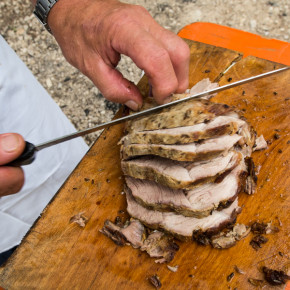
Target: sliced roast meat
198 202
176 174
178 225
184 114
184 167
219 126
187 152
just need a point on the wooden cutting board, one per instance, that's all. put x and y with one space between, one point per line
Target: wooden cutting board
57 254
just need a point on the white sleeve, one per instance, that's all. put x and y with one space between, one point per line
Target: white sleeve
26 108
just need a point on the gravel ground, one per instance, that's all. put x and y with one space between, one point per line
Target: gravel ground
76 95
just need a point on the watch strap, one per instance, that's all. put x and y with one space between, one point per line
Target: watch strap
42 9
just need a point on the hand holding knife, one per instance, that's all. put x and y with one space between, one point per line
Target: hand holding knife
30 150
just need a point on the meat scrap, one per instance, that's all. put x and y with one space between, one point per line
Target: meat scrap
156 244
260 143
172 269
238 270
257 282
228 238
263 228
155 281
260 229
230 277
132 232
161 246
79 219
257 241
251 180
275 277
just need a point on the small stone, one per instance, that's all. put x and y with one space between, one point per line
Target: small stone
48 83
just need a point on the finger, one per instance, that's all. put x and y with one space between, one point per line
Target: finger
113 85
11 180
150 55
179 53
11 146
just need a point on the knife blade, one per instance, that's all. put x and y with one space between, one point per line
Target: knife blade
30 150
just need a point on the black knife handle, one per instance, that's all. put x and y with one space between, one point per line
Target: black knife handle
27 156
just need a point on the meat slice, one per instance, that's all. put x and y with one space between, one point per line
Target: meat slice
176 174
185 114
180 226
198 202
187 152
219 126
132 232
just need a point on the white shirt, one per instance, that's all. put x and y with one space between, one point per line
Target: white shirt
27 109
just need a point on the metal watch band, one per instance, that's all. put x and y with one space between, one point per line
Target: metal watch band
42 9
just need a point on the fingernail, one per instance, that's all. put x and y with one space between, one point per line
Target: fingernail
9 143
132 105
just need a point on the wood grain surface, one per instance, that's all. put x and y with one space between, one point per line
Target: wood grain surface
57 254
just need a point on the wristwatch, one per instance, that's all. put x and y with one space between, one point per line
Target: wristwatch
42 9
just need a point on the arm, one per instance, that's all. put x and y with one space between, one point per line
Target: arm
11 178
94 33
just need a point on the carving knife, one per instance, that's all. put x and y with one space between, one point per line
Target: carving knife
30 150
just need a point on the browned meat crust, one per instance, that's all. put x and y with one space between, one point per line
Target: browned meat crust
222 125
193 112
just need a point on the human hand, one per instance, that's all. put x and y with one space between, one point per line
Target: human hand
94 33
11 178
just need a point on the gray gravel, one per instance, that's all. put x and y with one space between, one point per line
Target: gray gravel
76 95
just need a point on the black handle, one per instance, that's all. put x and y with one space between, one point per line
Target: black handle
27 156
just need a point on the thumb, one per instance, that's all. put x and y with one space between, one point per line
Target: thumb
11 146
